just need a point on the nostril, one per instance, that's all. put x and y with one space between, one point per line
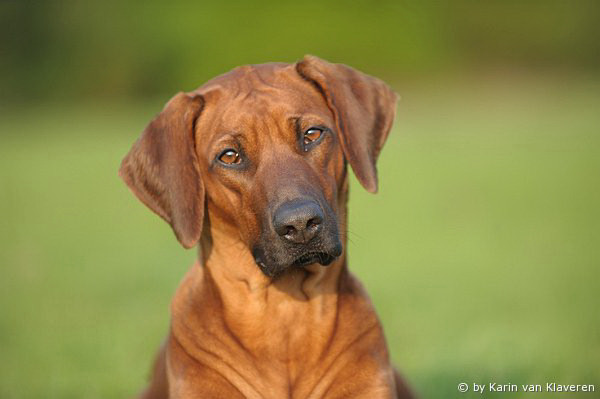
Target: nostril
314 222
286 230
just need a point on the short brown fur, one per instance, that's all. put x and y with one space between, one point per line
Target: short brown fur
306 332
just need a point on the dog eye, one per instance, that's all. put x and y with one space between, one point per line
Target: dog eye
230 157
311 135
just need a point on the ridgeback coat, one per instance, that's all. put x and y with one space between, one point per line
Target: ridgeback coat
252 168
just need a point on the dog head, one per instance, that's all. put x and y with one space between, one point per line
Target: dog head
261 153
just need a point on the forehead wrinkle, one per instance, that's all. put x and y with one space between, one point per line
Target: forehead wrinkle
267 134
266 79
253 85
261 117
264 132
274 123
286 126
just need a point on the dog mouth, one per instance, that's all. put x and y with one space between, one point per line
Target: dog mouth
313 257
301 260
274 260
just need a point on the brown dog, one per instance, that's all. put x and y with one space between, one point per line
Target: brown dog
252 166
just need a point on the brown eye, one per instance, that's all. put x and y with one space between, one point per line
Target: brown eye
229 157
311 135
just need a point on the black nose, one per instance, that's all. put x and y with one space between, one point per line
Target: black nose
298 221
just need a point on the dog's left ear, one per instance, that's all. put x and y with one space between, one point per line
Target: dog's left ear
162 168
363 107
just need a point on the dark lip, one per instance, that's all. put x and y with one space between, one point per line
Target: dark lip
314 257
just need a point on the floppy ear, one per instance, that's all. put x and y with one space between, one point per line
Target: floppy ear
363 107
162 168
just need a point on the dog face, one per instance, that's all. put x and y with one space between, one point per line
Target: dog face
269 147
263 149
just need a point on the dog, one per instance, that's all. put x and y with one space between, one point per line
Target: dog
251 168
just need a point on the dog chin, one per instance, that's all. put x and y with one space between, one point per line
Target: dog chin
274 269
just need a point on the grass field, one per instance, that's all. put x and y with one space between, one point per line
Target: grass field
481 250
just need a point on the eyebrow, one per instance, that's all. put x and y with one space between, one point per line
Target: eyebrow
224 138
232 135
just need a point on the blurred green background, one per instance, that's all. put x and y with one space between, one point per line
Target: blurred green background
481 250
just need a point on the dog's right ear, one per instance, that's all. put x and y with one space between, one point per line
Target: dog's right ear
162 168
